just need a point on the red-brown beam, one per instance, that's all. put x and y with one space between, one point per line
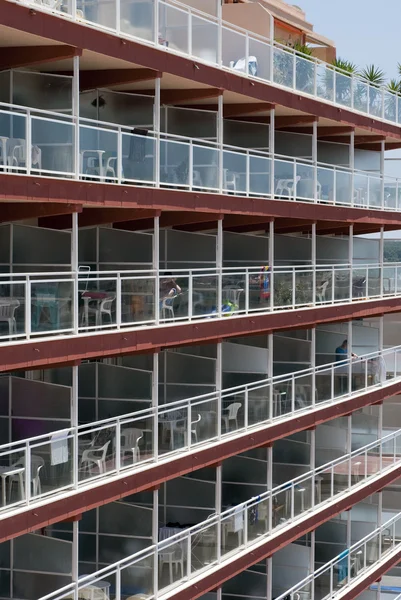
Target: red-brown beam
289 121
12 57
19 211
236 110
156 474
172 219
98 216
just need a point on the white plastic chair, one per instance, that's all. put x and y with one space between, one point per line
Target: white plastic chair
7 313
184 431
103 308
232 415
233 294
286 187
230 180
167 308
130 438
95 456
37 463
173 557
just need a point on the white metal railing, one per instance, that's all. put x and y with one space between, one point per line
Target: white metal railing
43 304
180 29
114 154
100 451
221 536
357 562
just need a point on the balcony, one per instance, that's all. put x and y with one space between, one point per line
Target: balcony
98 452
224 538
36 142
176 28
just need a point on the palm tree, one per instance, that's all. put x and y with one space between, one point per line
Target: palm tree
374 75
304 67
376 78
343 69
390 106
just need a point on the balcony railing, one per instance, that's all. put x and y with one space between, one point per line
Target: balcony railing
42 304
219 538
97 452
37 142
358 561
177 28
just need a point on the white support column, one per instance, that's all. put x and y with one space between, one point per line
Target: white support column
349 538
218 504
219 264
352 165
313 365
75 114
270 346
155 537
312 459
75 551
349 443
155 405
350 257
269 578
314 158
314 257
220 140
272 127
219 383
219 594
382 150
74 270
156 126
271 263
156 265
312 553
219 13
270 485
74 423
381 259
349 337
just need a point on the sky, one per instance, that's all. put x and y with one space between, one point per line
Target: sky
364 31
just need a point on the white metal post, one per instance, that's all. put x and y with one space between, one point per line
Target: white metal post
155 404
270 486
156 266
219 12
155 539
218 503
349 544
75 551
313 365
380 435
269 579
314 159
382 150
271 263
220 141
219 264
74 423
350 358
271 46
75 114
314 258
350 258
219 383
270 341
313 465
352 165
156 124
272 147
312 553
381 260
74 269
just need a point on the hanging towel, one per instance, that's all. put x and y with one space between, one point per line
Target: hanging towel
59 448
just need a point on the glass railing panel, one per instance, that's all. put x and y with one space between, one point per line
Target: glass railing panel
360 282
52 146
391 285
174 28
52 464
100 12
12 141
399 109
12 309
173 428
284 288
203 542
51 305
325 187
281 502
234 172
174 163
305 74
373 283
324 285
232 529
305 187
205 35
233 410
234 50
173 559
205 296
136 440
204 425
390 106
259 175
138 160
97 154
259 404
259 54
98 304
138 299
205 167
284 179
137 577
375 192
343 187
324 82
325 384
390 194
343 85
258 518
360 91
341 290
362 376
12 475
283 67
361 187
95 451
376 105
304 292
137 19
233 291
304 395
